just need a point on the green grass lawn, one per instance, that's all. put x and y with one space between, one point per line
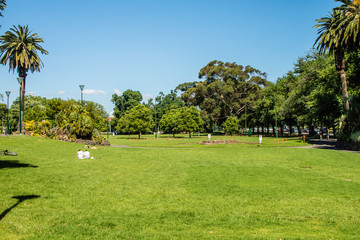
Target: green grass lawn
183 141
203 192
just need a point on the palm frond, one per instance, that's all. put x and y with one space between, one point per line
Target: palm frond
19 49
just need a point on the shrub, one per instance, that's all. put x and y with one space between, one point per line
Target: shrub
355 137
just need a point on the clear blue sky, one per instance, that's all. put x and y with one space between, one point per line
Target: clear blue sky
155 45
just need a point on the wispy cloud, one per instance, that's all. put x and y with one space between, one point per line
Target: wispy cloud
147 96
94 92
117 92
31 93
61 92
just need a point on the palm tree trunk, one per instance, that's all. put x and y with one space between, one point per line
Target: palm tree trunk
22 74
340 67
344 91
22 99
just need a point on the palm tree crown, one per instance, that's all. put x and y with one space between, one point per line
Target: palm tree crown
349 25
328 39
19 49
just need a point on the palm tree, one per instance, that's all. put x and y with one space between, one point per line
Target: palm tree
338 34
19 49
330 40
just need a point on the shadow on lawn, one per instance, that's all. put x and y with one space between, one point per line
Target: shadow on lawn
20 200
14 164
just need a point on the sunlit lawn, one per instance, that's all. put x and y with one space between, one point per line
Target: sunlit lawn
202 192
184 141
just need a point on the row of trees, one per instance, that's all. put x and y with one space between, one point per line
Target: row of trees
231 96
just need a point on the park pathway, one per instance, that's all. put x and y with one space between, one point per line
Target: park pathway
328 144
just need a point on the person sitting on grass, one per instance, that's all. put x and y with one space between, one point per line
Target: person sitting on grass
80 154
86 154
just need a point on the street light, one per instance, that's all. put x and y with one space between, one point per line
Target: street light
276 130
156 129
7 125
20 80
107 119
81 88
245 119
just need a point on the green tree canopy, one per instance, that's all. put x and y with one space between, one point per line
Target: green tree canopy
136 120
81 119
184 119
225 90
125 102
231 126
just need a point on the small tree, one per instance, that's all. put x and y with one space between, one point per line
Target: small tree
136 120
185 119
170 121
191 120
231 126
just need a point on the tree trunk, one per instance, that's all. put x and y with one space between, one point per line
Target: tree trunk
22 74
340 67
344 92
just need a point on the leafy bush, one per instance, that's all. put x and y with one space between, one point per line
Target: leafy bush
355 137
231 125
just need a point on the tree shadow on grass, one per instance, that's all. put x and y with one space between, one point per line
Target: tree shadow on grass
14 164
20 200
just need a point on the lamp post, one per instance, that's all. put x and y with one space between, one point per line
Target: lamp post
245 119
81 88
276 132
7 110
156 129
20 80
107 120
350 117
108 123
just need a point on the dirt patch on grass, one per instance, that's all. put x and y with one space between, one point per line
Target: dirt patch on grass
212 142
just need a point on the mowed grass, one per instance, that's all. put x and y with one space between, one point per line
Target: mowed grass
184 141
177 193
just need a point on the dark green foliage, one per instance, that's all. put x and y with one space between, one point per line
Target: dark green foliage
81 119
184 119
164 103
125 102
136 120
226 88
